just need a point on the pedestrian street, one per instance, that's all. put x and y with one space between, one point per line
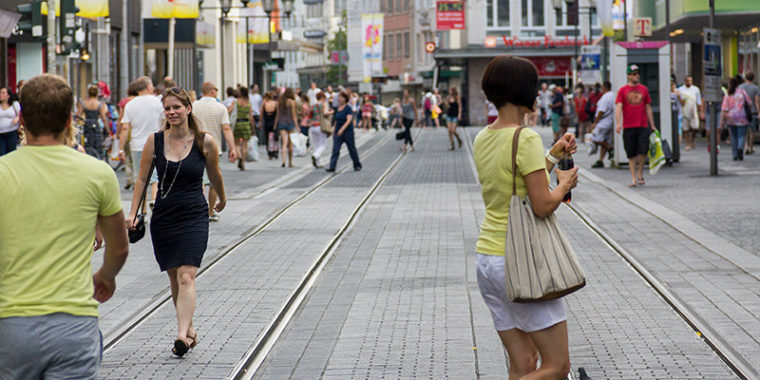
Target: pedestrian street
371 275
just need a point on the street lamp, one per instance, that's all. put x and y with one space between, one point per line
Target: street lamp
226 7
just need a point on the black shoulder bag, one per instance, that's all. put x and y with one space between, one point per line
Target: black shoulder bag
139 221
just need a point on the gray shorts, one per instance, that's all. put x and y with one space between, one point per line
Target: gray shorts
136 157
54 346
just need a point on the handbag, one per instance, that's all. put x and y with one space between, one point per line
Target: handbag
540 264
401 135
139 220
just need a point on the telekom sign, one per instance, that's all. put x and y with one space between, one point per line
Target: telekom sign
642 27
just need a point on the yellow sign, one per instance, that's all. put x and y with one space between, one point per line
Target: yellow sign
174 8
258 24
87 8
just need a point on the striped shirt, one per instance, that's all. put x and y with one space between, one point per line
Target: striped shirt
212 115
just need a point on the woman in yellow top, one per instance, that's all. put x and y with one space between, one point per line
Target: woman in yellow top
527 330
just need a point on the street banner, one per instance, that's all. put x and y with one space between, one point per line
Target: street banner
712 63
204 34
339 57
449 15
87 8
174 8
604 13
590 69
258 24
372 47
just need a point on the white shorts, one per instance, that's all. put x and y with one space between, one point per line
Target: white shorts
507 315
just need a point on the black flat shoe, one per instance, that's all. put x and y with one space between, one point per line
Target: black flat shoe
314 162
330 170
180 348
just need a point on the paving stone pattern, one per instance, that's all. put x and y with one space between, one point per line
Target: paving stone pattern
140 282
728 204
400 299
264 271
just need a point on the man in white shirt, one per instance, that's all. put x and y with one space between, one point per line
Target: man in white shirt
312 94
691 110
216 121
604 123
255 99
142 117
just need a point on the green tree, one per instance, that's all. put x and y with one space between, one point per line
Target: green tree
337 74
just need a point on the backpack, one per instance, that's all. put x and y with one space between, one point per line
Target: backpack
427 103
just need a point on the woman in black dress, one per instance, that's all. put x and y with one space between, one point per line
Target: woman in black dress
179 225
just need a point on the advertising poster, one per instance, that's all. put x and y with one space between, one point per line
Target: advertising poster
87 8
258 26
604 12
372 46
712 63
449 15
590 68
204 35
174 8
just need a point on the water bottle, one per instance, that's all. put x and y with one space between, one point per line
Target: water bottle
566 163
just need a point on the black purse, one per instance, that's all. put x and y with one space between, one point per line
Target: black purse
139 221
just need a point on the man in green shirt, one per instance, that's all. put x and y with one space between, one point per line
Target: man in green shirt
52 197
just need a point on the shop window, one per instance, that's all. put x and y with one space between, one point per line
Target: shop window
502 17
406 45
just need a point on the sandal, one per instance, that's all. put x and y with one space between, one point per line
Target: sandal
194 340
632 184
180 347
641 181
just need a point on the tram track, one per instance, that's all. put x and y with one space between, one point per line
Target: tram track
740 366
257 353
119 333
702 328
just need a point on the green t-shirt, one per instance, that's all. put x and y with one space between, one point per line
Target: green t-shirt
492 150
50 198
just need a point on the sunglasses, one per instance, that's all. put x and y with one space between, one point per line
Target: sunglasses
635 73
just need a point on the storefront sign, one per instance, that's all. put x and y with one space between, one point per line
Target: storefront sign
449 15
314 33
552 66
548 41
642 27
712 62
430 46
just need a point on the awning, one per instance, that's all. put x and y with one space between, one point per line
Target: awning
692 25
459 56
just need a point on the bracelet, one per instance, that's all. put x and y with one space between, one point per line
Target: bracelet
550 158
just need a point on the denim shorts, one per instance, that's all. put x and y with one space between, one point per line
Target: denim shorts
53 346
136 157
286 126
451 119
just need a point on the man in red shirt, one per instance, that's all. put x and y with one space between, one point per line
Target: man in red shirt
632 111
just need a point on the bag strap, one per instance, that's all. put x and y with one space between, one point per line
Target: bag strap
515 140
147 180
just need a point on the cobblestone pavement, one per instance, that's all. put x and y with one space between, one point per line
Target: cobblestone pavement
239 296
400 299
728 205
140 281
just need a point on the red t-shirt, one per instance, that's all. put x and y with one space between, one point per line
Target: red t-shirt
634 100
123 102
580 107
593 98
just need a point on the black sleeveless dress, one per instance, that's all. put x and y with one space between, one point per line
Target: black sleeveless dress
179 226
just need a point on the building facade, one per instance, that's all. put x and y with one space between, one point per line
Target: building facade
532 29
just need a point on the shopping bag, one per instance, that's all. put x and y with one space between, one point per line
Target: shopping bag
299 144
253 149
656 155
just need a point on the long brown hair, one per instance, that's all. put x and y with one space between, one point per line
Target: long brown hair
193 123
283 100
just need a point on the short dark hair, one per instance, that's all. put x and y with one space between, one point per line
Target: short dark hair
608 85
510 79
750 76
46 104
242 92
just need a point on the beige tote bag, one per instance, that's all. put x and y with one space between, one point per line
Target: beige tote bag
540 264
